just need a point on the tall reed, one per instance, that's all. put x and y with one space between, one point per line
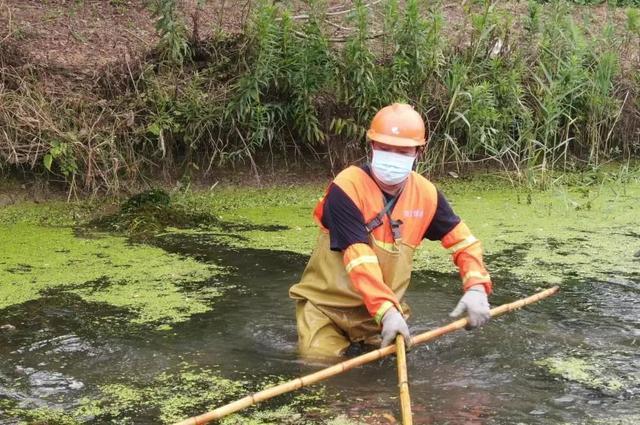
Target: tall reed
534 93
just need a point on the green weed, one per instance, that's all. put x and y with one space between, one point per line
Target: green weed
551 96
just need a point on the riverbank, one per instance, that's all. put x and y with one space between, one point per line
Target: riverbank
521 86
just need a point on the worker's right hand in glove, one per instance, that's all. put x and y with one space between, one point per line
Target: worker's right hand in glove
475 303
393 324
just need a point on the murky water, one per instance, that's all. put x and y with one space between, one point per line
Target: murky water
62 348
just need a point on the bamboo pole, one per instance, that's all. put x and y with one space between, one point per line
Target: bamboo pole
352 363
403 381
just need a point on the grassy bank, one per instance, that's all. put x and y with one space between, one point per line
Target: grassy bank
531 88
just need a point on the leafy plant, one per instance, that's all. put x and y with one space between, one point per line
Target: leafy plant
536 93
62 153
173 44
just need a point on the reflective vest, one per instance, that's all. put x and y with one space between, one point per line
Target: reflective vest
377 274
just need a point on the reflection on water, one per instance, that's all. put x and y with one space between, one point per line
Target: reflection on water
62 348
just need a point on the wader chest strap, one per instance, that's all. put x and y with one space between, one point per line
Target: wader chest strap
377 220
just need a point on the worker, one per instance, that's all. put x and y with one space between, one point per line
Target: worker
372 218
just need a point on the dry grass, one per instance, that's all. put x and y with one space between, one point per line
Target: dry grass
74 76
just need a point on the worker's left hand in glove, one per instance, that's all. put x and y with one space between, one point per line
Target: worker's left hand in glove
393 324
476 304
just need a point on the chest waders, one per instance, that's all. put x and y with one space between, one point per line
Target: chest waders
330 313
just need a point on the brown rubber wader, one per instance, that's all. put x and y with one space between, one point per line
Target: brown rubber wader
330 314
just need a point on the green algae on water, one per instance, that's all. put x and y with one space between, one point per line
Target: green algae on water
548 240
101 268
284 415
173 396
619 420
343 420
169 397
542 236
276 218
581 371
46 416
51 213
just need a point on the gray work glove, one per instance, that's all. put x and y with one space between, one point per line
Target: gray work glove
475 303
393 324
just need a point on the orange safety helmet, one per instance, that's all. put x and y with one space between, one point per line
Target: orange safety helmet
398 125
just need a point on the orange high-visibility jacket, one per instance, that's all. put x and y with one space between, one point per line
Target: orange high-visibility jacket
414 209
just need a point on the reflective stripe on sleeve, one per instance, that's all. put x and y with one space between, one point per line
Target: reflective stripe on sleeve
475 275
382 310
470 240
364 259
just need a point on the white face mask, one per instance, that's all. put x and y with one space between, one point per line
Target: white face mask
391 168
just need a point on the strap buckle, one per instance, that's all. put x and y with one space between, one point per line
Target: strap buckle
378 220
